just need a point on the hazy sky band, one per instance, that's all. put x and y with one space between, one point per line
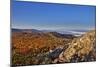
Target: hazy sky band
52 16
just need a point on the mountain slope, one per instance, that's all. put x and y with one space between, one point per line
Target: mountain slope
52 47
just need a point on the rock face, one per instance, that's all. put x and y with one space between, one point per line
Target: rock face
82 49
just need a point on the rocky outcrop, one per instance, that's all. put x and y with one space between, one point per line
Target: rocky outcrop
80 49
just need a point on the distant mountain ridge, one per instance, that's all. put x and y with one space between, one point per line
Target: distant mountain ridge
72 32
25 30
56 34
40 32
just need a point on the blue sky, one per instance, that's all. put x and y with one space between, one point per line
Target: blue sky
35 15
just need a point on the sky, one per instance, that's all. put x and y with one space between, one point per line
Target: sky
35 15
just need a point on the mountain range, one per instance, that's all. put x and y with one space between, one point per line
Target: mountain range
30 46
72 32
